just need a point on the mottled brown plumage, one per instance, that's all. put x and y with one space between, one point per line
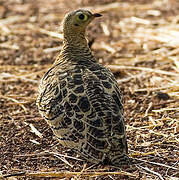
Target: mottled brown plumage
80 99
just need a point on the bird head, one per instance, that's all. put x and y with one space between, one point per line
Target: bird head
77 21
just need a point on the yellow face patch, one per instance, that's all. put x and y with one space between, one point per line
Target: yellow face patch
81 17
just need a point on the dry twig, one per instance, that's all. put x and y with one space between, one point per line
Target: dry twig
68 174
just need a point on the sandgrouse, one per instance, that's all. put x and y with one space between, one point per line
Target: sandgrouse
80 99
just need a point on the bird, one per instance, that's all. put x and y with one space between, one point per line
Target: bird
80 98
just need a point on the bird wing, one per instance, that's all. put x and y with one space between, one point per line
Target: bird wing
84 108
108 131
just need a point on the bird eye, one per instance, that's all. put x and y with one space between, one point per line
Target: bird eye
82 17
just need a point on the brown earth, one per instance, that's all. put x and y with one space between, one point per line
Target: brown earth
138 40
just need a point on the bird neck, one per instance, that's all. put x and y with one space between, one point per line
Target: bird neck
75 48
74 40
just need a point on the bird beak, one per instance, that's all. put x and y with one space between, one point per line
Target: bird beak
96 15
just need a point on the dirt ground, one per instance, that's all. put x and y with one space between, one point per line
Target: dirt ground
138 40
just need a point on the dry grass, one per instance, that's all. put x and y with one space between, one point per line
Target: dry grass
138 41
